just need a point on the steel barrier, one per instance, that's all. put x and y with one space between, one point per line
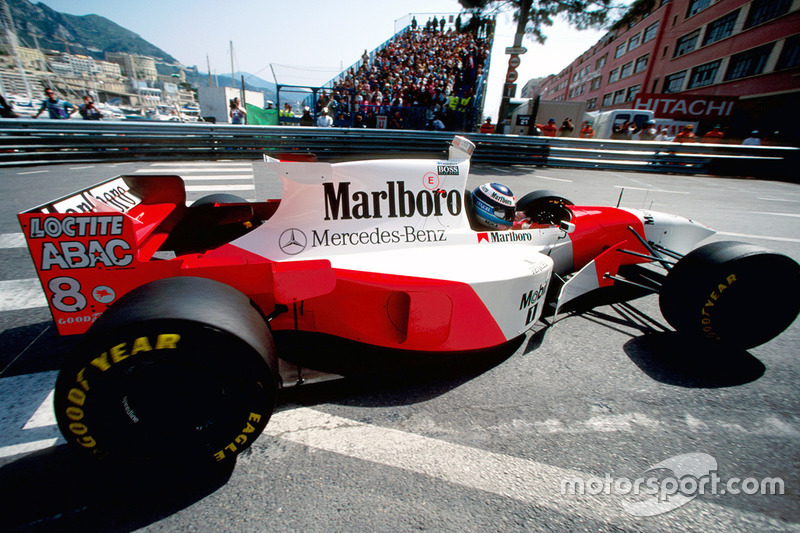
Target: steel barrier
34 142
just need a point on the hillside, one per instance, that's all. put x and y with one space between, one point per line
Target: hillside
76 34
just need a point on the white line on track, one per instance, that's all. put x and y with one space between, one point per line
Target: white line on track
796 215
12 240
552 179
647 189
762 237
202 164
81 168
21 294
520 479
44 415
780 200
195 188
27 447
504 475
32 172
245 171
219 177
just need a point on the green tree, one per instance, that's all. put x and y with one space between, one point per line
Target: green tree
538 14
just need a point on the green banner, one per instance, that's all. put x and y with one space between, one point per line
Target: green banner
261 117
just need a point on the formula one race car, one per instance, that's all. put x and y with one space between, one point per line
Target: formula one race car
180 307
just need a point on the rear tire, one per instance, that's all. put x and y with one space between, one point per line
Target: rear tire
165 375
733 293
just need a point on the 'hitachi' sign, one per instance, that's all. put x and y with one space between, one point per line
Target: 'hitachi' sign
686 107
392 202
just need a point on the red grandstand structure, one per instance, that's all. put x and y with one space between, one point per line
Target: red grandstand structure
732 62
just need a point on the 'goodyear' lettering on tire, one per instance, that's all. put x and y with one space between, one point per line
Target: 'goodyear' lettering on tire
239 441
707 311
77 395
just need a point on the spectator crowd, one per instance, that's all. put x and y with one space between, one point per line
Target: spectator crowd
424 78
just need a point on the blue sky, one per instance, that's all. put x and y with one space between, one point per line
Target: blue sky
312 34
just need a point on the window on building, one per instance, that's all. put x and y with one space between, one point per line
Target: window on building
704 74
596 83
619 96
634 42
720 28
627 69
630 94
607 99
686 44
790 55
749 62
650 32
696 6
620 50
613 75
641 64
674 82
764 10
591 103
601 62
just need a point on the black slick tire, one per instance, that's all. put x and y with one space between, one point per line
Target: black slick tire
179 369
733 293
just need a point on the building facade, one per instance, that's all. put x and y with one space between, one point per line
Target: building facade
732 62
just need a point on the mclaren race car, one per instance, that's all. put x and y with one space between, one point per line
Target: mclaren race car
185 311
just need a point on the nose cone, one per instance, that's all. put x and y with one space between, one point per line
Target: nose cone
674 232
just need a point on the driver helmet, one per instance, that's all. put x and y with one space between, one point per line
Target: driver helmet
494 205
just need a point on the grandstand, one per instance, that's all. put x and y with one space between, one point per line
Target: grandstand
428 75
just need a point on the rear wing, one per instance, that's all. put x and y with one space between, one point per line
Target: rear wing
93 246
81 242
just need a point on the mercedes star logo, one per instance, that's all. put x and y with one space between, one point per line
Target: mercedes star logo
292 241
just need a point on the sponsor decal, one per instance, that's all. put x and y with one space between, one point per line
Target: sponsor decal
82 252
408 234
447 170
241 439
686 107
292 241
79 394
530 301
87 226
103 294
431 181
76 254
504 236
115 194
394 201
707 312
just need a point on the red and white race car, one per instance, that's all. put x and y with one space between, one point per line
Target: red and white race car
180 307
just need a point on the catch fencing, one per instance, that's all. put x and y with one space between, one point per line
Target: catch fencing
35 142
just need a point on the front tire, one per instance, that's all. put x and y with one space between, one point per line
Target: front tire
180 369
733 293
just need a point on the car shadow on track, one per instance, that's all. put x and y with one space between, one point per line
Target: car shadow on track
381 378
670 358
659 351
58 489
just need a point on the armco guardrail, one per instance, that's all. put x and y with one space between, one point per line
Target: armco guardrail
27 142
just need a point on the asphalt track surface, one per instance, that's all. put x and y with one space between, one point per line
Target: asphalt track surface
607 395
